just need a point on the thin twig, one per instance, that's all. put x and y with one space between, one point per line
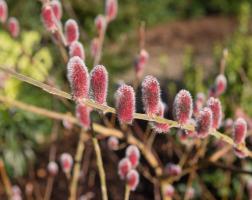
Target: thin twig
127 192
5 179
77 165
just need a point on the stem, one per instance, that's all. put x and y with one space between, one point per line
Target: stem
100 168
127 192
76 169
5 179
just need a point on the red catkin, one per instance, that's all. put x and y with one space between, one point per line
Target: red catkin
215 105
124 167
151 95
100 24
3 11
220 84
204 122
113 143
48 18
99 84
198 103
78 77
161 127
182 107
133 154
13 27
111 9
83 115
133 179
141 62
239 131
173 169
125 103
71 31
53 168
66 161
169 191
77 49
57 9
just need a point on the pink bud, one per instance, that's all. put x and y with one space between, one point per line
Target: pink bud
133 179
100 23
49 18
78 77
125 103
16 193
190 193
169 191
151 95
239 131
133 154
183 107
76 49
215 106
13 27
99 84
239 153
83 115
52 168
198 103
71 31
141 62
220 84
111 9
113 143
160 127
3 11
228 124
94 47
204 122
66 161
57 9
124 167
173 169
249 188
67 124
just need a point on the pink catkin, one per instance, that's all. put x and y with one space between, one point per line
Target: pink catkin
220 84
13 27
100 24
239 131
125 103
66 161
99 84
124 167
239 153
151 95
77 49
94 47
215 105
71 31
49 18
141 62
173 169
133 179
204 122
52 168
3 11
57 9
169 191
83 115
113 143
198 103
78 77
111 9
161 127
133 154
183 107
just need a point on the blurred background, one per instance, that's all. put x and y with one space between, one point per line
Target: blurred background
185 40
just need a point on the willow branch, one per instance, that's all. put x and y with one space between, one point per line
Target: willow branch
107 109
